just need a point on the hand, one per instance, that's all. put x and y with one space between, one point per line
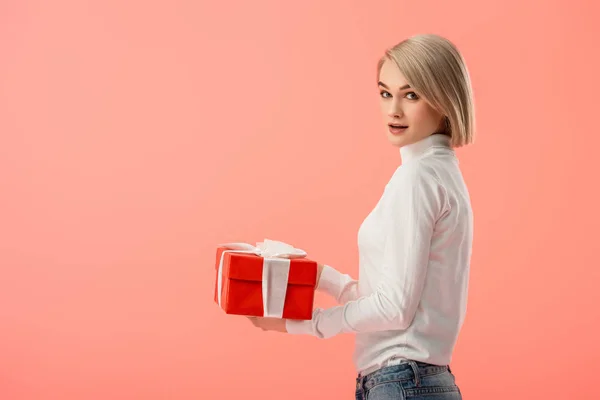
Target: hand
269 324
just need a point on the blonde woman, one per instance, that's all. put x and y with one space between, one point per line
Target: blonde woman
409 303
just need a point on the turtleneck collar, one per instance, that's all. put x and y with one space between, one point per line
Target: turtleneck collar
415 150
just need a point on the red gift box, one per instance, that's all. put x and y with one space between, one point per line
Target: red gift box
242 286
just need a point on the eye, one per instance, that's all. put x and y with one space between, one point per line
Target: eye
383 94
412 96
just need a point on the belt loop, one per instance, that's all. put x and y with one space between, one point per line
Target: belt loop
415 369
360 384
362 388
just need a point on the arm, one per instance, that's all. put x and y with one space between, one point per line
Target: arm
340 286
418 200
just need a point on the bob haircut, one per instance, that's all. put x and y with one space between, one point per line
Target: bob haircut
435 69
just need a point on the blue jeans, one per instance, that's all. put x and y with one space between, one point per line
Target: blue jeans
410 380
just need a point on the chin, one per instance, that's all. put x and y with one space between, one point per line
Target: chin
398 141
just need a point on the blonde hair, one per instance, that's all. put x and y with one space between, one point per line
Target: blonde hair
433 66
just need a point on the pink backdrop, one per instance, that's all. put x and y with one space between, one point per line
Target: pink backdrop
136 135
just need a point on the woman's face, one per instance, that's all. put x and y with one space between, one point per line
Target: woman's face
408 117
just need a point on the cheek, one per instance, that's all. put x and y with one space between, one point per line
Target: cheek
424 115
383 107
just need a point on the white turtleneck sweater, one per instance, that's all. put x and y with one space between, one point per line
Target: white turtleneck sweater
414 254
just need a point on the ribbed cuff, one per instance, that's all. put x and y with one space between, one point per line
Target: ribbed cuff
297 327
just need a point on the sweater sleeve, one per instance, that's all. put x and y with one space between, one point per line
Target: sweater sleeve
415 204
340 286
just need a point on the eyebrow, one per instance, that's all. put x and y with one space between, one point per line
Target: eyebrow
386 86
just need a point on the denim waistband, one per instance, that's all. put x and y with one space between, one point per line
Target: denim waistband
406 370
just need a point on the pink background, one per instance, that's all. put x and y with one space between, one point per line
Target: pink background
135 136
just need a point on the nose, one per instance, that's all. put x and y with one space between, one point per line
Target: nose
395 109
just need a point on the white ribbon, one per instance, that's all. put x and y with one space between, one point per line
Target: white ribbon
276 269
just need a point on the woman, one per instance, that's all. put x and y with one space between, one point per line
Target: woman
409 303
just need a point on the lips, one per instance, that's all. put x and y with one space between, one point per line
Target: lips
397 129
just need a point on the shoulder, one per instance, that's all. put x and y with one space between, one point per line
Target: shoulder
417 184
